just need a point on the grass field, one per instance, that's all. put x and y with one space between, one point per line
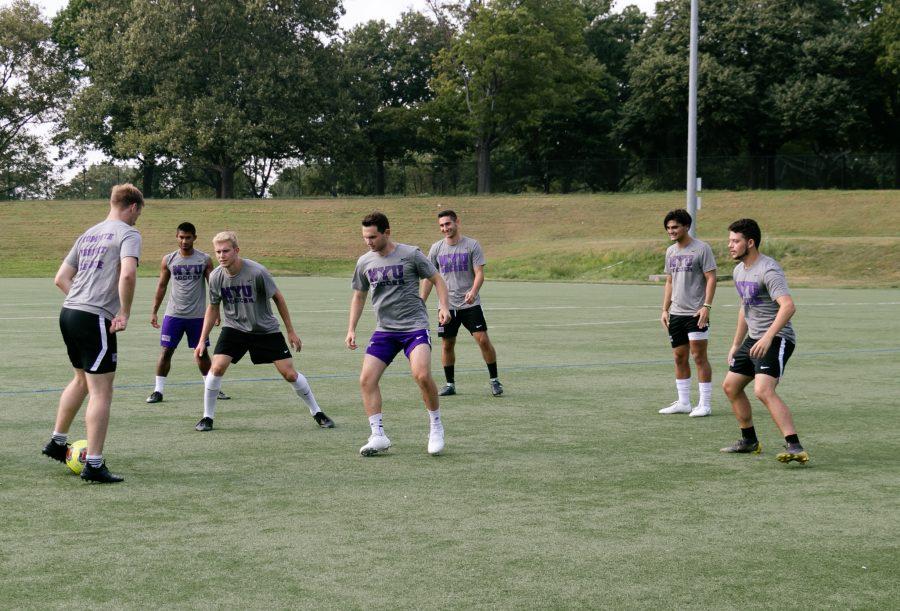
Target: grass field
570 491
823 238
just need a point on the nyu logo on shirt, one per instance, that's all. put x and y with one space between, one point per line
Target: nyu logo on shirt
242 293
455 262
681 263
749 292
187 272
390 275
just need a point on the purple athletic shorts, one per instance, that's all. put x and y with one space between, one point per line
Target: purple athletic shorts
385 345
173 328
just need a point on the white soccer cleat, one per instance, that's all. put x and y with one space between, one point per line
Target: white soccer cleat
676 408
700 411
435 441
376 444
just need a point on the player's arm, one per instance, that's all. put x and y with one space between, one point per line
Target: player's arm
210 317
281 304
786 309
740 333
425 289
64 277
164 276
127 282
703 313
667 302
472 293
357 301
443 298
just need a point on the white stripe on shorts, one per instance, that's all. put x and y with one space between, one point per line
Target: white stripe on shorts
781 358
103 344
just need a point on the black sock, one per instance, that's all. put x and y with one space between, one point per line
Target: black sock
749 434
448 373
792 439
492 370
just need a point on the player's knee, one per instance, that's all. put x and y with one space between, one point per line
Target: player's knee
731 389
290 376
764 393
421 377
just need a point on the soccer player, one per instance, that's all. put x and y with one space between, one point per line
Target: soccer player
687 301
189 270
461 262
98 278
391 271
245 288
763 341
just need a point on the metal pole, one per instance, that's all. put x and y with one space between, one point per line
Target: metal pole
692 122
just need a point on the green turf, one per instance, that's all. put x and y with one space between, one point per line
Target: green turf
570 491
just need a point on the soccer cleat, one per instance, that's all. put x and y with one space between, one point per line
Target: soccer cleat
222 396
447 390
496 388
700 411
324 421
676 408
56 451
375 445
742 446
436 441
205 424
793 452
155 397
100 475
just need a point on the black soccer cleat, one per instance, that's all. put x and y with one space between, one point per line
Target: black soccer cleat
742 446
56 451
205 424
496 388
324 421
155 397
447 390
99 475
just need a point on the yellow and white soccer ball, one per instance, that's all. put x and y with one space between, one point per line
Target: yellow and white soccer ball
75 455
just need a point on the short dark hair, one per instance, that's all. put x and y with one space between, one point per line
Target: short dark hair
124 195
748 228
187 228
449 213
377 220
680 216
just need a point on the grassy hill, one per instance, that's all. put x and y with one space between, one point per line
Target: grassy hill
822 238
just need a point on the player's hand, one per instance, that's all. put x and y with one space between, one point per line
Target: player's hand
730 359
702 318
218 321
154 321
444 316
664 319
118 323
200 349
294 341
759 349
350 342
470 296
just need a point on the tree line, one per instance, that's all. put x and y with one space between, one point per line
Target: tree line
247 97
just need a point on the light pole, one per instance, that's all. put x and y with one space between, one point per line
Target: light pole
692 121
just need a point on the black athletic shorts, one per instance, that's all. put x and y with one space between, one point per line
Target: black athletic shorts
263 348
683 329
772 363
471 318
90 345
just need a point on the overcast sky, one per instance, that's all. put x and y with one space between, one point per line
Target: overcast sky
358 11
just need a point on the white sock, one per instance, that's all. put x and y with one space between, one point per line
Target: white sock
94 461
301 387
705 393
684 391
375 423
210 394
60 438
435 418
160 384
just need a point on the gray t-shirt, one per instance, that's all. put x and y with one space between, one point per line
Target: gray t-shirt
758 288
96 255
188 279
457 266
246 298
394 283
687 266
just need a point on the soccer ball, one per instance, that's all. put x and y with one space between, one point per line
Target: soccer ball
75 455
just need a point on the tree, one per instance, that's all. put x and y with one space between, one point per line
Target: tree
33 85
510 63
218 83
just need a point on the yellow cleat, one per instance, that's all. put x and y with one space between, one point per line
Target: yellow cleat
797 453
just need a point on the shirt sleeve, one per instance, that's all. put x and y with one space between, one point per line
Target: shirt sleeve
666 268
433 255
477 255
130 245
776 283
215 288
72 257
266 283
360 280
708 259
424 267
